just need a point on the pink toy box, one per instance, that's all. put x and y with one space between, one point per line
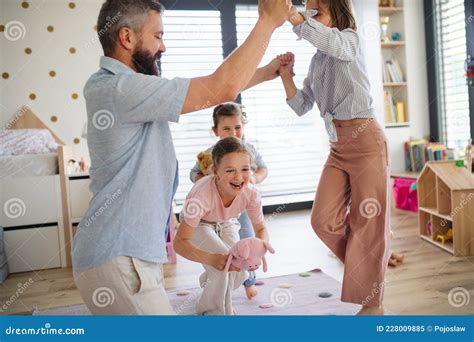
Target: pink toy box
405 193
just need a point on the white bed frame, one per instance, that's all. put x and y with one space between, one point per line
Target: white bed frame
36 237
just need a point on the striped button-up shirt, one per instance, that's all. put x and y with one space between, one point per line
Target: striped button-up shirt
337 79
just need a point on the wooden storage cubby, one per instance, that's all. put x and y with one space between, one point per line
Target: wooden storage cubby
446 201
427 190
425 221
443 194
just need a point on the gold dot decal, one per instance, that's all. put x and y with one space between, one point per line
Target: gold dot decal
77 141
25 4
5 75
54 118
72 50
2 28
72 5
52 73
50 28
32 96
75 96
28 51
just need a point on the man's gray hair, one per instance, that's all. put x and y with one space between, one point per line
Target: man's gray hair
117 14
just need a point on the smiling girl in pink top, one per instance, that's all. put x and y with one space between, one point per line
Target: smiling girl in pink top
209 224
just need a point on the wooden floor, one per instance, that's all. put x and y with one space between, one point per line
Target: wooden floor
419 287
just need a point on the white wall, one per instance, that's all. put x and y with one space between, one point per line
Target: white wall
29 73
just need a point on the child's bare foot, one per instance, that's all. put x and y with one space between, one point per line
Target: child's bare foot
371 311
398 257
251 291
395 259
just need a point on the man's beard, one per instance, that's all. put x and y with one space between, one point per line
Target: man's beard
145 62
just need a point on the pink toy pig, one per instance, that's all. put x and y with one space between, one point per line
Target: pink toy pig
248 254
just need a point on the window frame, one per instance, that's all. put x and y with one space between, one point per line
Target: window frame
433 72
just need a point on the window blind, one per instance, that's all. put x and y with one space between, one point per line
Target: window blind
294 148
193 40
450 24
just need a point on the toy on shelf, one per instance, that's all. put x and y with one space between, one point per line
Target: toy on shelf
387 3
396 36
470 71
429 228
384 21
443 238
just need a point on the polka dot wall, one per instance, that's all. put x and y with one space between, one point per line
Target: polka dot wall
48 50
